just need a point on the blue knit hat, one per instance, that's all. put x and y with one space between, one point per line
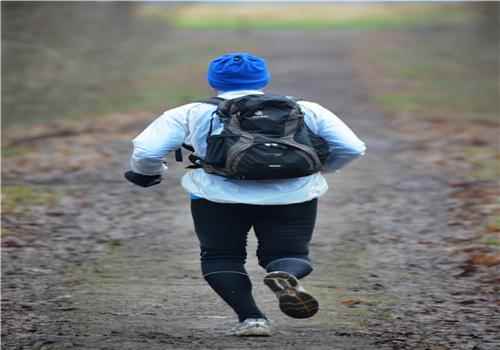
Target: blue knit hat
238 71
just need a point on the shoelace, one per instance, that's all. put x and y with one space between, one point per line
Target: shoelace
255 322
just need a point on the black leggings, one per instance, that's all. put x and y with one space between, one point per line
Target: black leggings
283 235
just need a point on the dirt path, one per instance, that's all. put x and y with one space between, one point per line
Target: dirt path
116 267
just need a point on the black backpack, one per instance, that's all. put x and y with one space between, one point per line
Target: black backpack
264 137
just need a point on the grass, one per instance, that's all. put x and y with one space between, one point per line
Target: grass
485 161
78 72
19 198
437 69
82 72
434 74
15 151
491 241
305 17
5 231
153 98
155 89
399 101
448 75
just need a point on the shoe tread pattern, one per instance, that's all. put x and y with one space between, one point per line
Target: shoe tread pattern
292 302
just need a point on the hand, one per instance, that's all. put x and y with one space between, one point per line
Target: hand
142 180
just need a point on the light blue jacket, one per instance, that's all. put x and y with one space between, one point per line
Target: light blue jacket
190 123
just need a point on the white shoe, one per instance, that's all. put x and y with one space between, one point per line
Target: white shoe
253 327
294 300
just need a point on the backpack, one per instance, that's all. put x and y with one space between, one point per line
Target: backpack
264 137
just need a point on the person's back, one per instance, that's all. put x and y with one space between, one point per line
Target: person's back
281 211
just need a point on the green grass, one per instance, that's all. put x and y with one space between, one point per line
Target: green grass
436 75
491 241
399 102
19 198
450 75
485 162
15 151
153 98
358 24
305 16
79 72
147 92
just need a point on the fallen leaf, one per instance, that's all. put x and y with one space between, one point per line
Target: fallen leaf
485 259
351 302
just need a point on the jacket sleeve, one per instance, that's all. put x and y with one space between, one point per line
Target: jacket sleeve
344 145
163 135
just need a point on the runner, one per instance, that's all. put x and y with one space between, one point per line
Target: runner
226 204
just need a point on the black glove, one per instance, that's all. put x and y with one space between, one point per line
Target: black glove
142 180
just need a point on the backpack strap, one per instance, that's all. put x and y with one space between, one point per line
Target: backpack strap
294 98
178 151
195 160
216 101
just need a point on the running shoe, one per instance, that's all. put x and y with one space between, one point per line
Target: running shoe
294 301
252 327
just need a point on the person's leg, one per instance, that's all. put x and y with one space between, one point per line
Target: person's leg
222 230
284 233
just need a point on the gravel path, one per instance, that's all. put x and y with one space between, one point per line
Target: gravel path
113 266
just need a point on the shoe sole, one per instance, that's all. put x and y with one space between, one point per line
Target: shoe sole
254 332
294 303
